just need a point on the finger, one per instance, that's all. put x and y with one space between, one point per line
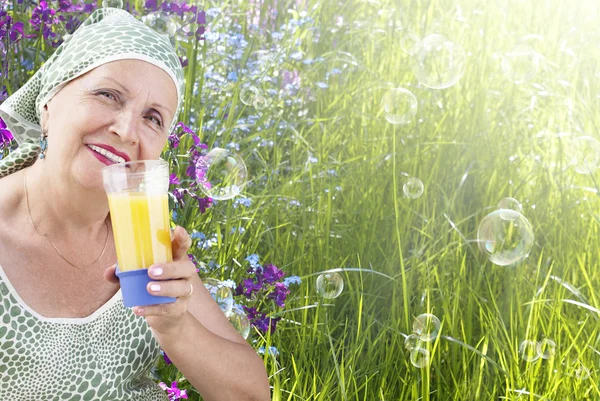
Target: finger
173 308
109 274
172 288
181 243
178 269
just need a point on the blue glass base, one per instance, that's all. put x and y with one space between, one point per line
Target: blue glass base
134 285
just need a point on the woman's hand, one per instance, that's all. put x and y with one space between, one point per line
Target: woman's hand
167 319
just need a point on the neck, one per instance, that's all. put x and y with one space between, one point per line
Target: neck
63 208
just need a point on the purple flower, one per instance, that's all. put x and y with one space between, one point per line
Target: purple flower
166 358
42 18
272 274
151 5
14 31
248 287
173 180
5 135
201 20
279 295
173 392
189 131
203 203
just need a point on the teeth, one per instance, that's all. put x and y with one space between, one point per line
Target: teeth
110 155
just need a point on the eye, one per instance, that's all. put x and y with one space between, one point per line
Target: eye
157 120
103 93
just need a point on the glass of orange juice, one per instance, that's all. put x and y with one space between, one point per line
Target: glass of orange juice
139 209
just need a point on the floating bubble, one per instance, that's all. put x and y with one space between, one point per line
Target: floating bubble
437 62
260 102
426 326
419 357
161 22
330 285
220 293
411 342
528 351
581 371
112 3
521 64
546 348
583 154
399 106
265 58
511 204
221 174
237 317
408 43
506 236
248 94
413 188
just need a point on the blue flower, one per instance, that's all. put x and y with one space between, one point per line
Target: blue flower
229 283
253 259
322 85
291 280
197 235
235 229
247 202
232 76
272 350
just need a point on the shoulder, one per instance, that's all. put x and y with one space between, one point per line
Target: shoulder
10 197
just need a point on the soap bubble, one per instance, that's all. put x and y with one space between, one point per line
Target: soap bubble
426 326
220 293
408 43
411 342
221 174
399 106
528 351
260 102
161 22
413 188
546 348
520 64
419 357
506 236
112 3
248 94
237 317
583 154
511 204
437 62
330 285
581 371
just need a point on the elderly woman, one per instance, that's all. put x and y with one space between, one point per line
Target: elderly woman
64 331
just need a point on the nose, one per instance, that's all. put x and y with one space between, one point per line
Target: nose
126 127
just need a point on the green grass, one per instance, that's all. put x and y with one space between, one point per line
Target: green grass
483 145
472 144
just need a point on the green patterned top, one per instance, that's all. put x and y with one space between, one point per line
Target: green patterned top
105 356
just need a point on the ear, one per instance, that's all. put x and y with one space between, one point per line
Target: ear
44 118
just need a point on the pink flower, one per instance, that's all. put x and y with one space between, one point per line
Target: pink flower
173 392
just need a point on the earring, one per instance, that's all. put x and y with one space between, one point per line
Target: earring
43 145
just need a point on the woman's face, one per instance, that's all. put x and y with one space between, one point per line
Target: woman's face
126 104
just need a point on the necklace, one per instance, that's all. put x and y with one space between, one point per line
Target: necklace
46 235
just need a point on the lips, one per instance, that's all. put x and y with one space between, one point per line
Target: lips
112 150
101 157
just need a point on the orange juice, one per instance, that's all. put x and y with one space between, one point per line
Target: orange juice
141 229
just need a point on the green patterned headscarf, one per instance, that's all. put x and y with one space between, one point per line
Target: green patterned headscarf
107 35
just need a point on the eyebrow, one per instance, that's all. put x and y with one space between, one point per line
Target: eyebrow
128 92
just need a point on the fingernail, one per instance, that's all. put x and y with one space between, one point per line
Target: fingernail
156 271
155 287
140 311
